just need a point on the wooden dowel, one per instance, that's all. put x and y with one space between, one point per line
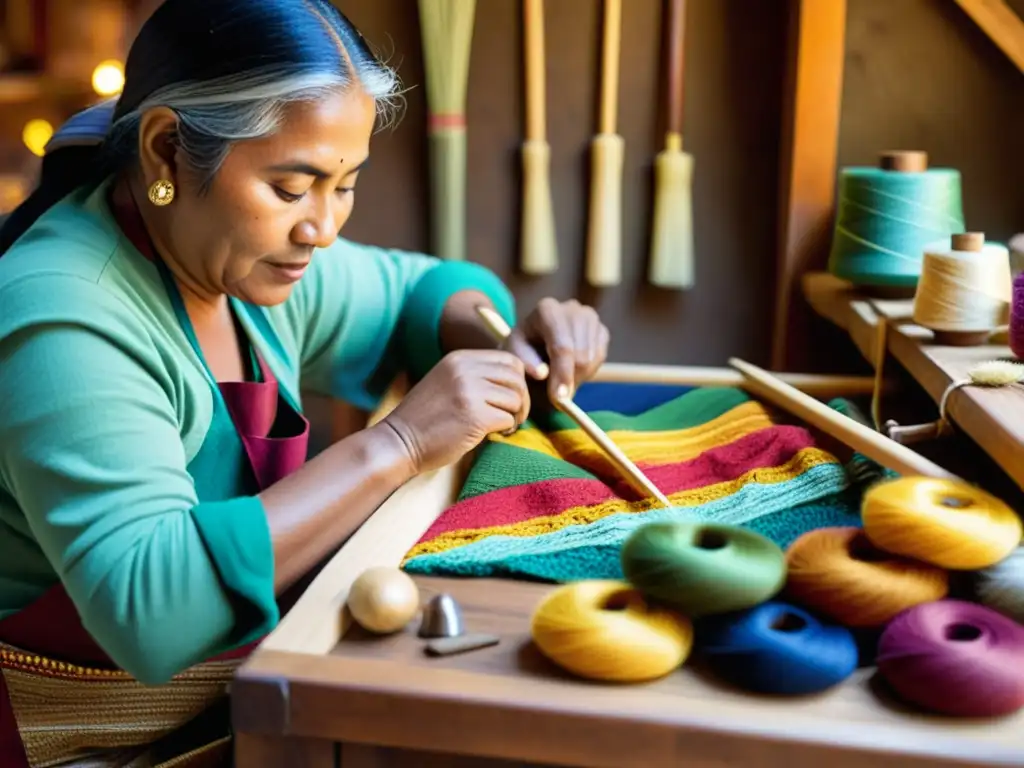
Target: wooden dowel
533 30
676 65
699 376
611 42
852 433
631 472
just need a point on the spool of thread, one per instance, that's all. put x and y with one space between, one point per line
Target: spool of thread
886 215
703 568
1001 586
955 658
965 289
947 523
606 630
1017 317
840 574
777 648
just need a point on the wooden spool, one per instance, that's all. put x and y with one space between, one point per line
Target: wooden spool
974 242
898 161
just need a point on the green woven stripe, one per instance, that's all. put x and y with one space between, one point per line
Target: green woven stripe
696 407
501 465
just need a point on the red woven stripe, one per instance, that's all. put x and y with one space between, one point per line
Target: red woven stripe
765 448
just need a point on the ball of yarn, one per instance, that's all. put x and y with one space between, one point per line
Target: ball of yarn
777 648
383 599
703 568
885 219
840 574
1001 586
606 630
955 658
1017 317
944 522
963 290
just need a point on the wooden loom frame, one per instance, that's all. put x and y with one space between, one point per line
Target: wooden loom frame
263 694
286 696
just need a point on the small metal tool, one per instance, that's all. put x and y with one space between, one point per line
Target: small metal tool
442 617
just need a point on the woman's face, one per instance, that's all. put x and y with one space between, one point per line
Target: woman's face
252 233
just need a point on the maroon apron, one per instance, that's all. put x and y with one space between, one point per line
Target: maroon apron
275 437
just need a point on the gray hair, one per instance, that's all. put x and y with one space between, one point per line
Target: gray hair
214 114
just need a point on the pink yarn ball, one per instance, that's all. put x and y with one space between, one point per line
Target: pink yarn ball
1017 317
955 658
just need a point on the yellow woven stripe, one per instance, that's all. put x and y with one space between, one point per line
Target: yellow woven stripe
660 447
799 463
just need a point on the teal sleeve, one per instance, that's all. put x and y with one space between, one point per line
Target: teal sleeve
365 314
92 455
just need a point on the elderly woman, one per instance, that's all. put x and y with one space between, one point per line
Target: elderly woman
167 291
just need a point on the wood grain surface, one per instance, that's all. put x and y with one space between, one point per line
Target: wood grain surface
508 702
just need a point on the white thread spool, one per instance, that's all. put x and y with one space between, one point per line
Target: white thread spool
965 290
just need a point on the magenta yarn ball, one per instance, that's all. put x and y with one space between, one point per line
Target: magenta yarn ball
955 658
1017 317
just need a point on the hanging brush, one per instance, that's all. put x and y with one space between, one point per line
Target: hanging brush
538 243
447 30
671 264
604 240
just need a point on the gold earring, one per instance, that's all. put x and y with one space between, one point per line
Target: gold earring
161 192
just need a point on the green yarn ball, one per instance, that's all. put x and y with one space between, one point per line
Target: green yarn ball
703 568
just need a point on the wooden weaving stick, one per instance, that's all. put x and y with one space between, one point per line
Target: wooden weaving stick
850 432
631 472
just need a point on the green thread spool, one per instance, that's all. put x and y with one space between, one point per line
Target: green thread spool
703 568
887 215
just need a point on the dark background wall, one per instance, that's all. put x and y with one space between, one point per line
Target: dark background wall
919 74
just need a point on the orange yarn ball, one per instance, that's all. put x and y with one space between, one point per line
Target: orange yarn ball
839 573
947 523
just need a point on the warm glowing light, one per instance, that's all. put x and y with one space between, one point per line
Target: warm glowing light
108 78
35 134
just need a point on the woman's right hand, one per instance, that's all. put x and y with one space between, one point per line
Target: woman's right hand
468 395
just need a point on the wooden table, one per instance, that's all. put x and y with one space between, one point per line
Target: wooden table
993 418
320 693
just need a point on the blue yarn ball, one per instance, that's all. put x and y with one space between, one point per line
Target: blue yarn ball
777 648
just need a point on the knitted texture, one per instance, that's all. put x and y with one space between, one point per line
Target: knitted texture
546 503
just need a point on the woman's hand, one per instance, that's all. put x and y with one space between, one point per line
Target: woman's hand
468 395
572 335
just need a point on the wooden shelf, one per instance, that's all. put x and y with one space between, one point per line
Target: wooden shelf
993 418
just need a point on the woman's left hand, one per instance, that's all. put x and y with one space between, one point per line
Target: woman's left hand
572 335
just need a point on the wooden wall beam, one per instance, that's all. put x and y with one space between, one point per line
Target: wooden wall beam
810 138
1001 24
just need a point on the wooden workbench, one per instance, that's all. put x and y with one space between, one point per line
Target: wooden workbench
993 418
320 693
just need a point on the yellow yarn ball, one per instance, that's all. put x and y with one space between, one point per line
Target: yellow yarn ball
606 630
947 523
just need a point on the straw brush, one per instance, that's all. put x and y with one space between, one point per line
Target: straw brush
447 31
538 242
671 264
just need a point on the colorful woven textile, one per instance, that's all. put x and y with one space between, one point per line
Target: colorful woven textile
546 503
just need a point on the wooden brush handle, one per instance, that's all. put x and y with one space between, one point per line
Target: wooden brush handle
852 433
611 42
533 33
676 64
